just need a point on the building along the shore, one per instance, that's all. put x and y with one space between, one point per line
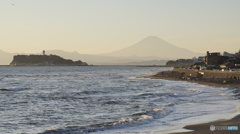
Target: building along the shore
213 60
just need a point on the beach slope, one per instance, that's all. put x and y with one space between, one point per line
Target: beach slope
225 79
221 124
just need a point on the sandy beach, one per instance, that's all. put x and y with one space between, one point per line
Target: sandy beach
205 128
225 79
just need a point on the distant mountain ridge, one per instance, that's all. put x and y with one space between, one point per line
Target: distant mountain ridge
153 46
149 62
5 58
104 60
151 50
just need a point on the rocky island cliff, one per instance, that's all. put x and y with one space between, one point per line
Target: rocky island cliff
44 60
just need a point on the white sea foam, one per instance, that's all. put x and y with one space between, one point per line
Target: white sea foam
107 99
158 109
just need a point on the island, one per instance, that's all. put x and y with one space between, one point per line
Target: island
44 60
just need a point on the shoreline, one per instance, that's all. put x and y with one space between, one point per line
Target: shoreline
210 78
204 128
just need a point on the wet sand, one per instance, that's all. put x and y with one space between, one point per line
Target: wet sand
205 128
211 78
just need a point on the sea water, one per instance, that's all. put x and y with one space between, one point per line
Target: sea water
104 99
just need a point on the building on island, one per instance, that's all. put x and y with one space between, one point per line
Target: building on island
44 52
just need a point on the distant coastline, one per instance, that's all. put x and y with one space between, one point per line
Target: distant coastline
44 60
150 65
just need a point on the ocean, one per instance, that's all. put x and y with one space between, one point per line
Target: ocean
105 99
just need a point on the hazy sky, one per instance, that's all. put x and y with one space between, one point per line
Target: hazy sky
99 26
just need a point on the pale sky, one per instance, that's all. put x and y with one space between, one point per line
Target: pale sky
99 26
